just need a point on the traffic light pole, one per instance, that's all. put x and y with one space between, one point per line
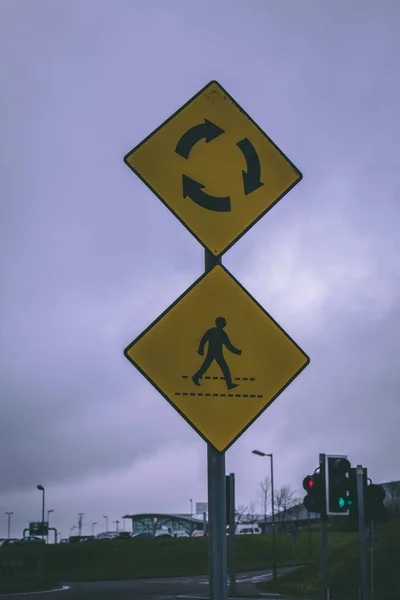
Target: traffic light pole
361 532
232 549
324 545
216 503
371 592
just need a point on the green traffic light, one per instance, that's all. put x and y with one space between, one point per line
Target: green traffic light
341 502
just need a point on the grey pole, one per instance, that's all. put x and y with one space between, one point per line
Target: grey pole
216 502
80 523
372 559
9 522
48 522
106 518
324 544
41 488
361 531
232 549
217 524
274 567
274 574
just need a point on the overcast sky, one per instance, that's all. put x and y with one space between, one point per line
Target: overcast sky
89 256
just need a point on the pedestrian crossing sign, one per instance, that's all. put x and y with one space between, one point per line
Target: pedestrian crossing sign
218 357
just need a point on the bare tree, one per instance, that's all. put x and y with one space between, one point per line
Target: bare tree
297 507
393 497
264 495
284 499
240 514
252 512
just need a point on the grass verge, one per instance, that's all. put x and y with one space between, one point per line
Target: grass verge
344 570
163 557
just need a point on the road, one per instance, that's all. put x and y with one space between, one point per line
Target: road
145 589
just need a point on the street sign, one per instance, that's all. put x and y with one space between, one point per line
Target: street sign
38 528
214 168
218 357
201 507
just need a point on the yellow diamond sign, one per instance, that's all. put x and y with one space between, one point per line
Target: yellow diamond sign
218 357
214 168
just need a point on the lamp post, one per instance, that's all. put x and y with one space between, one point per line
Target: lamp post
270 455
9 522
116 524
80 515
106 518
48 522
93 524
191 507
41 489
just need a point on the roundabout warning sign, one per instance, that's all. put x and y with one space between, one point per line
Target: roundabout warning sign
214 168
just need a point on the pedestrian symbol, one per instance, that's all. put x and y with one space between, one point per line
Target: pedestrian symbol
248 360
216 338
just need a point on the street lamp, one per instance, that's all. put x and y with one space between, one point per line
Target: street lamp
9 522
48 522
258 453
41 488
117 524
106 518
80 515
191 506
93 524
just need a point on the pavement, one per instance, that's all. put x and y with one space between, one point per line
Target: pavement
150 589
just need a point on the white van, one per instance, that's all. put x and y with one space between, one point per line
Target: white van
247 529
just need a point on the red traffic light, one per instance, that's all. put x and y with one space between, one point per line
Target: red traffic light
308 483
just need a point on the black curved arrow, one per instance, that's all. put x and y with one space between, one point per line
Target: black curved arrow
207 130
251 179
194 190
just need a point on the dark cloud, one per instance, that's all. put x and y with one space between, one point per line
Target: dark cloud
89 257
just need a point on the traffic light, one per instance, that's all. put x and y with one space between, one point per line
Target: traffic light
353 495
339 500
314 501
373 502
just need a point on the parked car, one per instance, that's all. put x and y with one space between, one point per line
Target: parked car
141 535
198 533
180 533
124 535
76 539
162 534
247 529
105 536
10 541
32 539
89 538
64 541
2 540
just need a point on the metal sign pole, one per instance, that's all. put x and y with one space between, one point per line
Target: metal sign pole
216 502
324 545
372 558
232 550
361 531
217 524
